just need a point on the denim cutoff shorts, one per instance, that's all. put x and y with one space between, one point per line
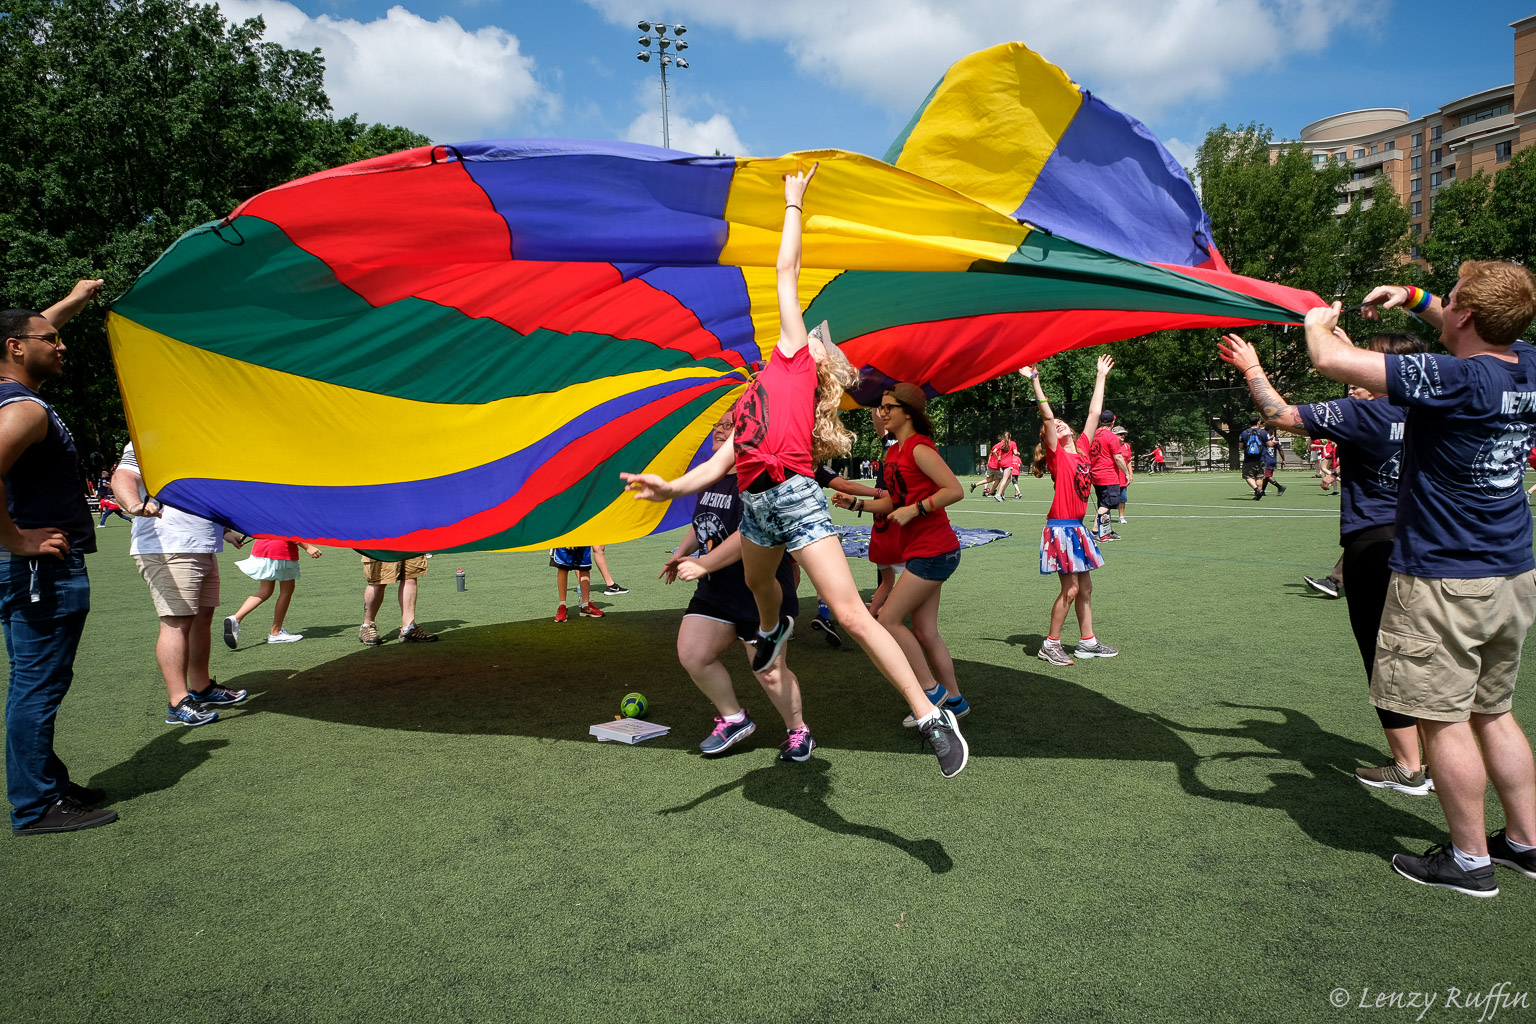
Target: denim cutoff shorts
793 513
935 568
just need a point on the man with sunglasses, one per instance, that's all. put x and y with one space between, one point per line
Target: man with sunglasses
45 595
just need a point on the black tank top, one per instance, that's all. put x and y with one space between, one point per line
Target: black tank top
46 486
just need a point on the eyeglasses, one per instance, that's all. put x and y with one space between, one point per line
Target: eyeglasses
52 339
888 406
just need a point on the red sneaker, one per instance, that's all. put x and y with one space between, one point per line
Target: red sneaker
591 611
560 614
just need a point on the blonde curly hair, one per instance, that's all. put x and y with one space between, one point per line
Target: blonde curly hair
834 375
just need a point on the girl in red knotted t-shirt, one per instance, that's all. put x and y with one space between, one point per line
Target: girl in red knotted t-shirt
785 425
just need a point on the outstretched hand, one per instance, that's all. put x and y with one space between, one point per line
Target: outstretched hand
1386 296
842 500
1028 372
1233 349
689 569
796 184
1325 317
648 486
1106 363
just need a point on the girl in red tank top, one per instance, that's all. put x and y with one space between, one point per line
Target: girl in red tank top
920 485
1066 548
785 424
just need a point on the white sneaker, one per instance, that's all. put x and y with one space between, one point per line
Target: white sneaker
282 636
1122 519
231 632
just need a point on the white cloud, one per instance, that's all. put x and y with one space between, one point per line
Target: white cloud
435 77
702 137
1142 55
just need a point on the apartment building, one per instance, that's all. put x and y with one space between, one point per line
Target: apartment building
1419 155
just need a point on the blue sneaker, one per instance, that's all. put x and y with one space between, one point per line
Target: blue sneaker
797 746
726 735
958 705
216 694
936 698
188 713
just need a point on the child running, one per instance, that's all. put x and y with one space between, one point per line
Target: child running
785 423
1011 464
563 560
1065 547
994 468
272 562
921 484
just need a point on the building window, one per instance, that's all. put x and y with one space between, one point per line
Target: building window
1434 179
1373 149
1416 163
1389 145
1450 172
1434 134
1418 207
1417 229
1483 115
1318 158
1434 156
1416 252
1418 140
1502 151
1359 152
1416 185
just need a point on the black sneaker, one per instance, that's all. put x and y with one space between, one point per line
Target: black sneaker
943 734
67 815
190 713
1438 867
1258 495
614 589
771 646
1523 861
1324 586
1282 489
87 797
827 628
797 746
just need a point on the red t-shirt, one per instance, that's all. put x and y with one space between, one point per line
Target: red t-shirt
884 535
995 456
1157 454
1532 458
280 550
777 443
1101 457
927 535
1011 457
1071 475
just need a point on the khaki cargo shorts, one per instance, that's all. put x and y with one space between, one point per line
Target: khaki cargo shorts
377 572
1448 648
179 585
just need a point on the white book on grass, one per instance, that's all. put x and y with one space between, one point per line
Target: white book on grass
628 730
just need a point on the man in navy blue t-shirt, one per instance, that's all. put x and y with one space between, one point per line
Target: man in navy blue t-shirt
1369 431
1251 444
1463 586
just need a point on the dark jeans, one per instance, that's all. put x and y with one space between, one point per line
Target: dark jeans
41 638
1366 577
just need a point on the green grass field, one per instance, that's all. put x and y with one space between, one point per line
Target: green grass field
427 833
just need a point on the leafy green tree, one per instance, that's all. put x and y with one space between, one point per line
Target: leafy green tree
1483 217
126 122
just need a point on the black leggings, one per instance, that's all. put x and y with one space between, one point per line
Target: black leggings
1366 577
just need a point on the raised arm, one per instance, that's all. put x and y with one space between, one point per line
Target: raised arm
792 333
1276 411
651 487
1417 301
1032 375
1096 405
61 312
1335 356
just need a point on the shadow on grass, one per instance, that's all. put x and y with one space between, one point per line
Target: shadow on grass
160 764
802 790
547 680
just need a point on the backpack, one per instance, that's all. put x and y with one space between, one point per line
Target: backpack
1254 446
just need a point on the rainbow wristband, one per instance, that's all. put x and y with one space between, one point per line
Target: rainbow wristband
1418 300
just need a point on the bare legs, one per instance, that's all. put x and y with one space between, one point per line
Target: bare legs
373 600
263 591
182 650
701 641
1465 756
1076 590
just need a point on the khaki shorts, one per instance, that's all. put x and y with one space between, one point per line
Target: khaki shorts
1450 648
378 573
180 585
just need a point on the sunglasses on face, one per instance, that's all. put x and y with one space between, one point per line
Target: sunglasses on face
52 339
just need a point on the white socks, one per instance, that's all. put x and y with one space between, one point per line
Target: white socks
1466 861
738 717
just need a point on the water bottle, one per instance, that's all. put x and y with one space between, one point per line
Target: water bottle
460 577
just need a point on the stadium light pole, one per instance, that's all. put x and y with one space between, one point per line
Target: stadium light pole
659 48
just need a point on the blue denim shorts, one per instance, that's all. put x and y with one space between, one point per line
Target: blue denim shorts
935 568
793 513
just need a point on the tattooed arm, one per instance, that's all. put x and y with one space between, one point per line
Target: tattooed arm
1277 412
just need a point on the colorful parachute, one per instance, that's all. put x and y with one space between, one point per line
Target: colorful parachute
460 347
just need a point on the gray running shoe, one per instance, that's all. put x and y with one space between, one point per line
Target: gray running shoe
1324 586
1054 653
943 735
1438 867
1523 861
1392 776
1094 650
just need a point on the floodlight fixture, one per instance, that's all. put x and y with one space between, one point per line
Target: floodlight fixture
678 30
661 30
657 44
664 43
681 63
644 55
644 26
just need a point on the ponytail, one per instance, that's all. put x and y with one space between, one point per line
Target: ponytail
1037 467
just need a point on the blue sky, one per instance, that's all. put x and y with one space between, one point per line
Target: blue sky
768 78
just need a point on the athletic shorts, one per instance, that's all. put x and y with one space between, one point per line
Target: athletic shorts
1448 648
934 568
379 573
1253 466
1066 547
179 585
793 514
579 559
746 629
1109 495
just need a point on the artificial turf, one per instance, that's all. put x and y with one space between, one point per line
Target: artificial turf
427 832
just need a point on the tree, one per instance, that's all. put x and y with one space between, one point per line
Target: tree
127 122
1483 218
